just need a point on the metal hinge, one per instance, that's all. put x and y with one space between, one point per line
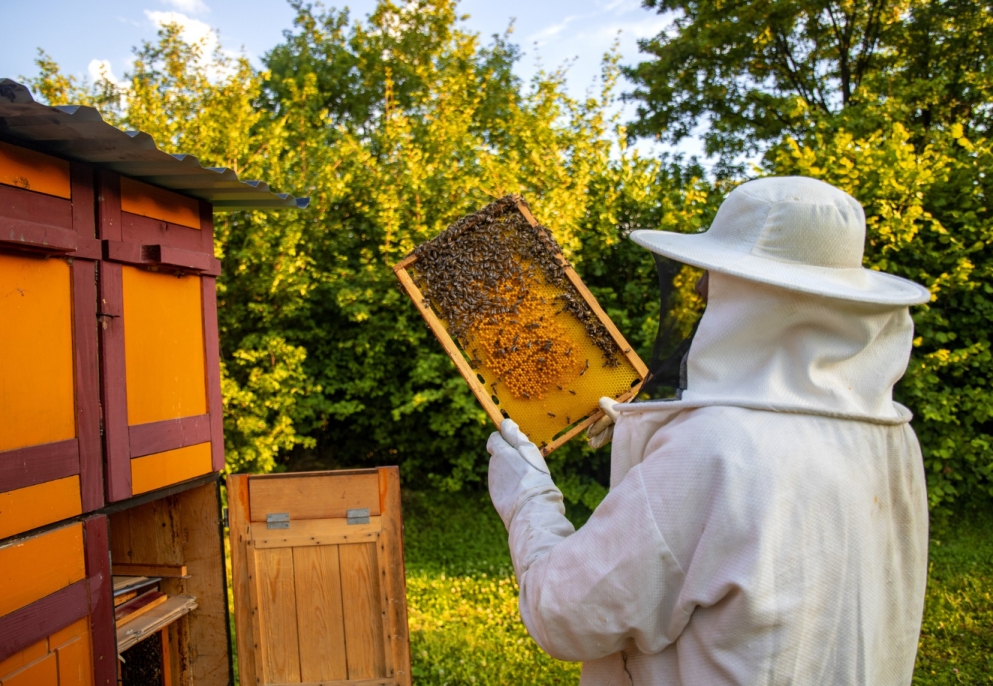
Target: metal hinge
358 516
277 520
224 517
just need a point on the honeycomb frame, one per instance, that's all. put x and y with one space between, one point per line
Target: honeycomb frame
486 394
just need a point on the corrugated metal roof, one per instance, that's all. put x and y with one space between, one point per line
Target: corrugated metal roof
80 133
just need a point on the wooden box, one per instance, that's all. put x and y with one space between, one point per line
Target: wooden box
158 337
50 457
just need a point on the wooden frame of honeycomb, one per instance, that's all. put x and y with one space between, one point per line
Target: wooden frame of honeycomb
545 351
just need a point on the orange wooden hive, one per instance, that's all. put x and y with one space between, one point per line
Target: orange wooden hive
108 324
521 327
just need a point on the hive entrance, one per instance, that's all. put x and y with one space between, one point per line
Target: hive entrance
521 327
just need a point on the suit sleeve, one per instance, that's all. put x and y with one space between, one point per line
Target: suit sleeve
587 595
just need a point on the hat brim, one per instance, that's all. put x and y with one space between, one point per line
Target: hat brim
859 285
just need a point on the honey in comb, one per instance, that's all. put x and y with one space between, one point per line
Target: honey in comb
499 285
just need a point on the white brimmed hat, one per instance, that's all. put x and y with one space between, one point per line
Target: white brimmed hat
794 232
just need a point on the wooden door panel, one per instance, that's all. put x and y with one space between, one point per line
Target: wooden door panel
320 622
325 598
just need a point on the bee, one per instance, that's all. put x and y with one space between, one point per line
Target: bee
551 414
572 391
559 387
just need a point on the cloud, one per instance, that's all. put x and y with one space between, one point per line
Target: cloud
100 70
192 30
189 6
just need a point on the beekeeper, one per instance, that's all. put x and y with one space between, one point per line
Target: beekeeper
770 526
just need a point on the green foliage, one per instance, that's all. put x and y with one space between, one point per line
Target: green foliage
956 644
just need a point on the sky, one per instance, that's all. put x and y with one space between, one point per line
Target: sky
86 36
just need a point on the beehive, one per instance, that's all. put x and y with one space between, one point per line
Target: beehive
521 327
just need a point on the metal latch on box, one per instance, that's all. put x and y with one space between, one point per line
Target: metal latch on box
277 520
358 516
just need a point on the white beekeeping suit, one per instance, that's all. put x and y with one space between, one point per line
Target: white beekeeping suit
769 527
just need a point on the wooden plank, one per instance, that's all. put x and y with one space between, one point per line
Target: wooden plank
83 202
34 171
169 434
34 622
158 203
108 196
18 234
35 506
203 647
23 657
206 227
68 634
163 346
166 657
320 495
363 611
347 682
75 662
147 231
37 398
240 534
37 464
33 568
36 222
212 362
482 393
152 622
280 656
320 623
43 673
113 379
173 466
160 256
87 373
315 532
394 574
143 604
165 571
100 586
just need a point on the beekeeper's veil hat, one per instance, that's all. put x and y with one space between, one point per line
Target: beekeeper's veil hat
793 232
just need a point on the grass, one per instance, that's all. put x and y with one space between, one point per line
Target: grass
465 627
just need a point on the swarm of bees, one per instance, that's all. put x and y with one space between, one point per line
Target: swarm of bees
487 276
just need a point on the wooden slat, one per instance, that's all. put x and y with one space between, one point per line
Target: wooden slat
113 374
35 506
75 660
34 171
147 231
158 203
315 496
100 585
23 657
43 673
212 364
36 222
320 623
311 532
33 568
144 606
171 467
87 371
277 616
394 574
150 623
165 571
240 533
157 437
363 611
32 623
36 464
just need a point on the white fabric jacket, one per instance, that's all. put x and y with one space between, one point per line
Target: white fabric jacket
769 528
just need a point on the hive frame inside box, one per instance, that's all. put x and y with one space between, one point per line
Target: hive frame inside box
467 372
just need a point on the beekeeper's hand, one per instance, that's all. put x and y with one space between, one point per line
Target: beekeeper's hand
602 430
517 470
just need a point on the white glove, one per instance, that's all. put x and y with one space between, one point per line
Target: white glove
517 470
602 430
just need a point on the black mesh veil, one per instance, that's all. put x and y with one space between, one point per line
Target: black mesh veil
666 369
